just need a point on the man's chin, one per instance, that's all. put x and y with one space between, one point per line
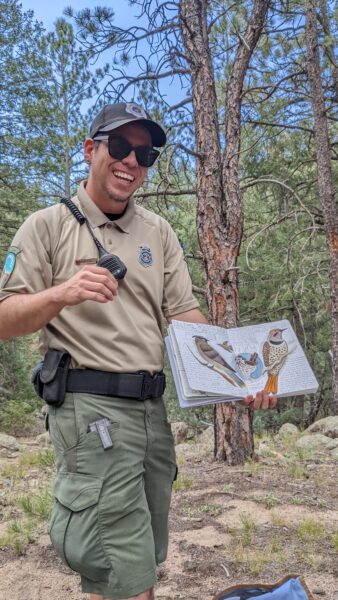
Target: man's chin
116 197
121 200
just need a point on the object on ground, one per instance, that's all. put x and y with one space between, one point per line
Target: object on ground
291 587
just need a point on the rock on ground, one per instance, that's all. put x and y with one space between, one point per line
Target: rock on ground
8 446
327 426
334 454
288 430
313 443
332 445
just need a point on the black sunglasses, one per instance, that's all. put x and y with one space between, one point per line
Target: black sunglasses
119 147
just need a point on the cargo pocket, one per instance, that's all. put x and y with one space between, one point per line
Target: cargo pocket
89 457
74 527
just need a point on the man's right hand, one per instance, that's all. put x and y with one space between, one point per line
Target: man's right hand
91 283
21 314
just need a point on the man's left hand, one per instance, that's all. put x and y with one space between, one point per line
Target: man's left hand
261 401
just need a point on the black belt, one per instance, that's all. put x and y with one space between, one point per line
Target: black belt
140 386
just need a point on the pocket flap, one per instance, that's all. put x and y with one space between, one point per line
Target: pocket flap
52 361
77 491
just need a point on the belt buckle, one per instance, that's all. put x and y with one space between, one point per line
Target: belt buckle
147 385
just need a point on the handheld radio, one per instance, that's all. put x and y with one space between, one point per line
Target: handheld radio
106 260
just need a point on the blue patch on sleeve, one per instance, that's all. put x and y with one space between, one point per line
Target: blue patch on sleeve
10 261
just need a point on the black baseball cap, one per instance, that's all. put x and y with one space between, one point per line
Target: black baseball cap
112 116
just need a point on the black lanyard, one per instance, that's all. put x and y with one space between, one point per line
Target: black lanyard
106 260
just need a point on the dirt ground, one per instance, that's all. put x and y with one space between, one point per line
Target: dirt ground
228 525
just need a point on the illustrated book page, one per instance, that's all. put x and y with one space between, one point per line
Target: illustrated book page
214 364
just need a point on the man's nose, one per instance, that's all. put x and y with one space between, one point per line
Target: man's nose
131 159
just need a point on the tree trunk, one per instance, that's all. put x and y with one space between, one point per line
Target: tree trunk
220 211
324 176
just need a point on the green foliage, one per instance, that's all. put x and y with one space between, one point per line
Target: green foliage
14 472
296 471
270 500
278 520
249 526
19 402
335 541
210 509
45 458
273 420
182 483
229 488
17 418
18 536
37 505
298 500
253 467
310 529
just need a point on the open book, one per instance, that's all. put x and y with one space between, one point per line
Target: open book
213 364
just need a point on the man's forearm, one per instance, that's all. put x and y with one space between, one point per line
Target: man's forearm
190 316
21 314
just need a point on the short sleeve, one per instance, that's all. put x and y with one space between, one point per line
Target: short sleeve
27 267
177 292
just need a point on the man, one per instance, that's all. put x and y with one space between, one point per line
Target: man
114 447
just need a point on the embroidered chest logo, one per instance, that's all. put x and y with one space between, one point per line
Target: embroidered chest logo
145 256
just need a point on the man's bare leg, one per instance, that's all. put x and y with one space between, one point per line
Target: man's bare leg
148 595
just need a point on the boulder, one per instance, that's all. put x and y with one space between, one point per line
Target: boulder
288 430
8 446
327 426
334 454
313 443
181 432
332 444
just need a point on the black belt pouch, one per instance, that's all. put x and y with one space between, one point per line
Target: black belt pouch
50 377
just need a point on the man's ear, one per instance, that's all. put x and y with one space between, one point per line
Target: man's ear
88 150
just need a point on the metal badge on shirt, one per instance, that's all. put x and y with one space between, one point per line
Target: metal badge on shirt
9 265
145 256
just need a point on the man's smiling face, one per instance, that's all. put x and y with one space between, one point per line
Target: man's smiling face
111 181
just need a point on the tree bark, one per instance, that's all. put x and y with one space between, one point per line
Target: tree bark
220 210
324 176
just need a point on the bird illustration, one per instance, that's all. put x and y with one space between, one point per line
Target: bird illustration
226 346
247 365
275 353
216 362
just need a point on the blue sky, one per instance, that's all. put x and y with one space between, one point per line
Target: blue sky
48 12
125 16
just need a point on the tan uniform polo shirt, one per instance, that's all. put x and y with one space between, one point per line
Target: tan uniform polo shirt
123 335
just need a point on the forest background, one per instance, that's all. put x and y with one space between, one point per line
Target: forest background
53 81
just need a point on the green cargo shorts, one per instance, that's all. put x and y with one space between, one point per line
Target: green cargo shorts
110 517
